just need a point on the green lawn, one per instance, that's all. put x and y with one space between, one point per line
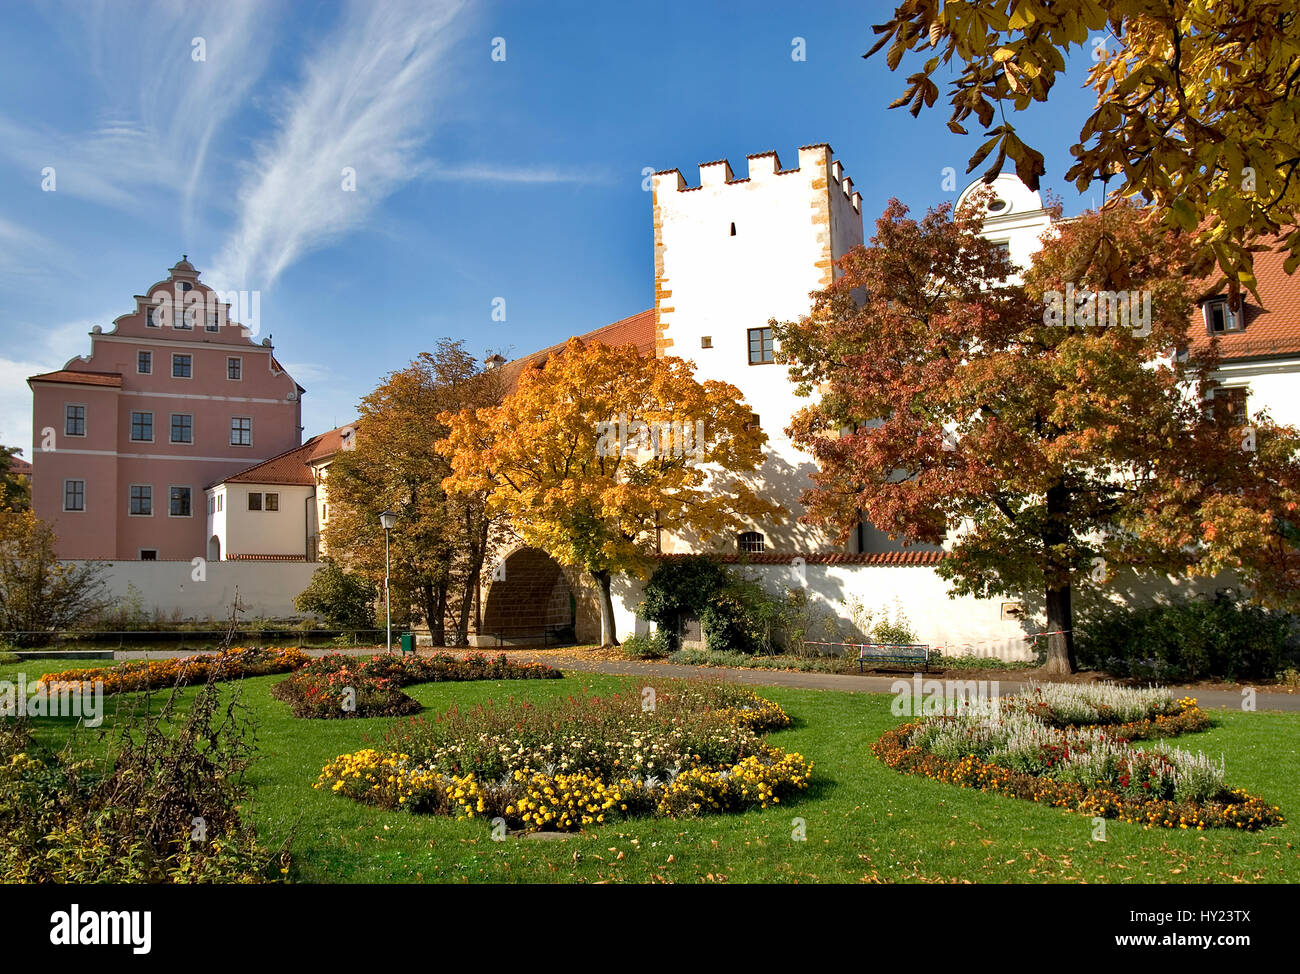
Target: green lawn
863 821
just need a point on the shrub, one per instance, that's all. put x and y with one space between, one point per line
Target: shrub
653 645
1195 638
40 595
344 601
162 806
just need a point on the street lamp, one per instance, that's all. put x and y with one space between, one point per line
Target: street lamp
389 520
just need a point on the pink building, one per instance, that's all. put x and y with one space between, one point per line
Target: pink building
174 398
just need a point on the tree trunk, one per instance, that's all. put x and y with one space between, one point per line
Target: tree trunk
608 637
1060 618
435 611
1060 622
478 548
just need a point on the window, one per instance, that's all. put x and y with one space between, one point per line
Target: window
141 500
153 317
1003 247
212 504
706 341
752 423
74 495
213 322
1220 318
185 320
1229 406
179 501
142 427
182 366
241 431
144 362
234 368
74 421
182 428
733 229
760 346
750 542
148 554
220 498
254 501
272 502
324 512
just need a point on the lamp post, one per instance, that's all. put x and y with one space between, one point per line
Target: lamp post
389 520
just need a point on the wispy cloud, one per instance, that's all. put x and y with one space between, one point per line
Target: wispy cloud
494 173
365 103
157 109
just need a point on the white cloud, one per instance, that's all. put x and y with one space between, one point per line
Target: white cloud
492 172
365 102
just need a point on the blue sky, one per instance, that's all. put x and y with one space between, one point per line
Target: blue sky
476 178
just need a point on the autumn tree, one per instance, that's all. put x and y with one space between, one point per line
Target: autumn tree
40 594
15 492
1037 434
441 539
1198 103
595 453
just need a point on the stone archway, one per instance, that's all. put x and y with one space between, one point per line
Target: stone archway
531 603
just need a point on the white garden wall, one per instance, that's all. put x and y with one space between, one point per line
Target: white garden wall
266 589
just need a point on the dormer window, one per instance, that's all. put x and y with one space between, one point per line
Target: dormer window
153 317
1219 318
997 205
213 321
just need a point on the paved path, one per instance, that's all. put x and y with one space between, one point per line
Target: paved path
846 683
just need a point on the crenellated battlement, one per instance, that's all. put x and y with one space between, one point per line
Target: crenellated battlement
762 167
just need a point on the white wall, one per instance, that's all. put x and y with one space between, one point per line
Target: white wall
245 532
963 626
266 589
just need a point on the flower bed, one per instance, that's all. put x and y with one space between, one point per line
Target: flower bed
338 685
1030 749
581 761
136 675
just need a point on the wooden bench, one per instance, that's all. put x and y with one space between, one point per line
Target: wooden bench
893 653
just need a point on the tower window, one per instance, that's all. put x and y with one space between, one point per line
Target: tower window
751 542
733 229
761 349
706 341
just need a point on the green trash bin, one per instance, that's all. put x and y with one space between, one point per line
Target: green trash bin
407 641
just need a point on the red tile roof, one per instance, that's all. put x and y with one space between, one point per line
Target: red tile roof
826 557
291 468
637 329
19 466
80 378
1272 328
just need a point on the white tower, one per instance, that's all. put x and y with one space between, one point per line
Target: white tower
731 254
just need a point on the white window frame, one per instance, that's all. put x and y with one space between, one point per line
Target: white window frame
171 429
240 360
250 431
188 355
271 493
130 433
149 312
74 510
138 370
1232 323
85 419
212 321
170 488
129 512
